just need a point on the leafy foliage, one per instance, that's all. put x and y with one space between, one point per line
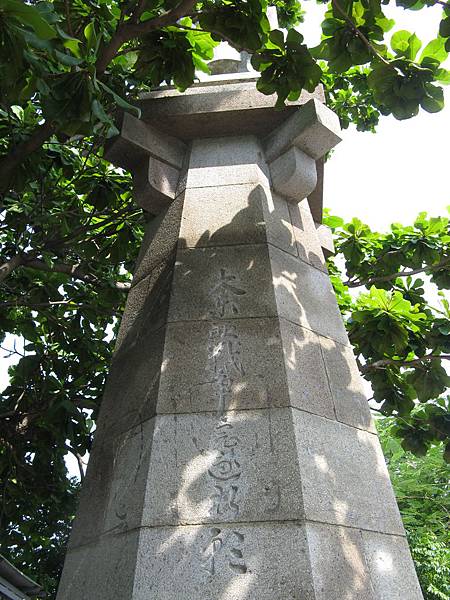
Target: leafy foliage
69 231
78 234
423 494
401 340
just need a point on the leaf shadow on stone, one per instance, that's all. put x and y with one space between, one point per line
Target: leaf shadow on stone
235 454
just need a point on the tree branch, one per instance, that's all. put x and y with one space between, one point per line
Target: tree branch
73 271
79 461
69 22
129 30
392 276
8 267
183 9
125 31
386 362
361 36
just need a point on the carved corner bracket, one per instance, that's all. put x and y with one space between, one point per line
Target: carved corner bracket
154 158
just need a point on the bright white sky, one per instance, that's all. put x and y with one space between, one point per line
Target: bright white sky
384 177
401 170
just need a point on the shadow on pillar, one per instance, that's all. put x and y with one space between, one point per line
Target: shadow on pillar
273 492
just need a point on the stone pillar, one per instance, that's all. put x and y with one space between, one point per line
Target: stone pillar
235 456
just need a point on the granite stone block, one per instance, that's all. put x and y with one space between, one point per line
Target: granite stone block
226 562
101 571
113 493
304 295
236 364
350 399
313 128
226 161
147 305
222 283
338 564
89 523
306 236
325 238
294 174
224 215
139 139
160 240
391 567
344 476
155 185
305 370
225 467
235 214
131 459
279 230
131 390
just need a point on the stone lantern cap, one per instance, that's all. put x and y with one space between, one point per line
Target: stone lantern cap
155 147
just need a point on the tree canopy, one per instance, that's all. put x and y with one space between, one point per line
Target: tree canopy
69 231
422 488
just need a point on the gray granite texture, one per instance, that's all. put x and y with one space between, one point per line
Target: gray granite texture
237 467
227 562
104 570
235 456
344 476
238 363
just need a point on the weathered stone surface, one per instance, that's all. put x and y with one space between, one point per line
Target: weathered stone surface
114 489
315 200
226 161
304 296
279 230
346 384
227 562
313 128
131 460
132 388
325 239
306 237
391 567
214 109
344 476
222 283
138 140
89 522
294 174
147 303
305 370
338 564
236 364
234 458
155 185
101 571
222 216
160 241
212 468
235 214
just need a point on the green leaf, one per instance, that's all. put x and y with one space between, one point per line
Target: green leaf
277 38
444 28
29 15
134 110
429 381
406 44
294 39
442 76
433 101
91 36
66 59
435 50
